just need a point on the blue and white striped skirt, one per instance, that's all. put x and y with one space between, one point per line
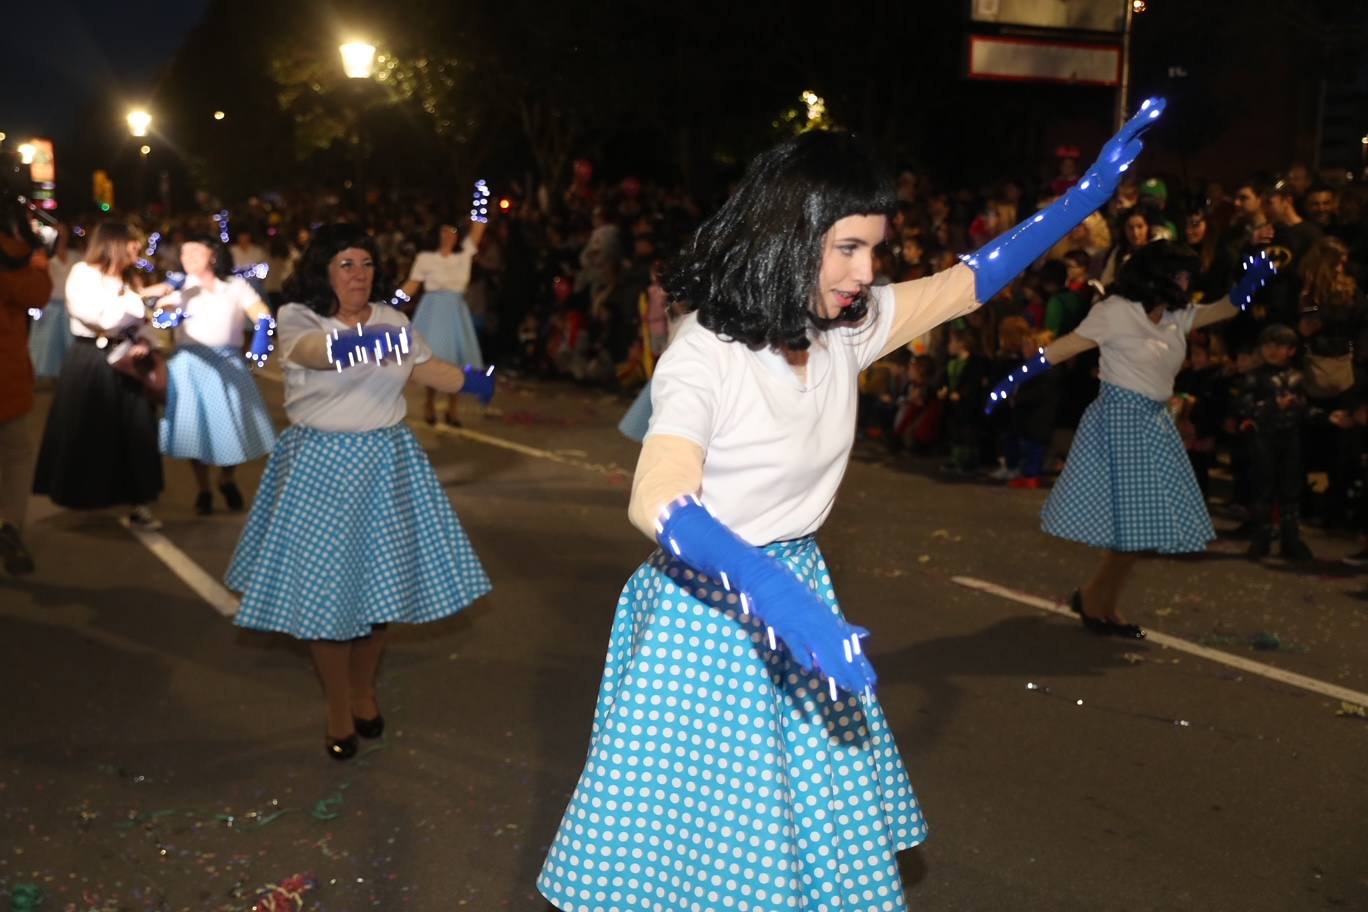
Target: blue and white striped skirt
347 531
443 319
637 421
49 340
214 412
721 775
1128 484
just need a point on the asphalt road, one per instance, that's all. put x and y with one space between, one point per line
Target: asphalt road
154 757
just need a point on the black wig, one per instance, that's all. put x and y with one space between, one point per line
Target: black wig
222 264
308 284
751 270
1150 276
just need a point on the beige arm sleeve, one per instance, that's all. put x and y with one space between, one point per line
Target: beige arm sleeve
310 351
1214 312
923 304
443 376
1066 346
667 468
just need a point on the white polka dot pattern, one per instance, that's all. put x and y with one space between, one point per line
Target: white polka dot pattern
720 775
214 412
1127 484
349 530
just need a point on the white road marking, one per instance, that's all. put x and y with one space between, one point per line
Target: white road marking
191 573
1293 679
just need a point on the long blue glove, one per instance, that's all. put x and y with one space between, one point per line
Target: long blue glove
479 382
373 344
1258 270
479 203
169 319
819 641
1027 370
262 346
1003 258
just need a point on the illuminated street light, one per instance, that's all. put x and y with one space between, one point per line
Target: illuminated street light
26 153
358 59
219 115
138 122
146 150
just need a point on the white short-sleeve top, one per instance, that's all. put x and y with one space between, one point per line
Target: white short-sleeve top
444 272
775 446
99 304
366 397
1137 353
215 315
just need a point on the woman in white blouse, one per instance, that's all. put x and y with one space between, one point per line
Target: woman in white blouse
350 529
443 316
99 447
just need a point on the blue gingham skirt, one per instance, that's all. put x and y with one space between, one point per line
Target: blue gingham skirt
350 530
720 775
443 319
1128 484
49 340
637 421
214 412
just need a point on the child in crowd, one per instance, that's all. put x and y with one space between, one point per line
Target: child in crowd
964 392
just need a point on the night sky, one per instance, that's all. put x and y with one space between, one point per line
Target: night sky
58 57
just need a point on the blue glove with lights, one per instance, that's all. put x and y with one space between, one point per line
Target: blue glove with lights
1003 258
479 382
818 639
1027 370
479 204
167 318
1258 270
373 344
262 346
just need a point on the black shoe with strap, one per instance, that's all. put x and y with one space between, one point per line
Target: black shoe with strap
231 496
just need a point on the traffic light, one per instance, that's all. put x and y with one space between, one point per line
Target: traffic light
103 189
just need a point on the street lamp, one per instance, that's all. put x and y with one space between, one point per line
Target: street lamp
358 62
358 59
138 122
26 153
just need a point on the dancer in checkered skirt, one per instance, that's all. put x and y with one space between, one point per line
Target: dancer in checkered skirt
739 757
1127 486
214 414
351 530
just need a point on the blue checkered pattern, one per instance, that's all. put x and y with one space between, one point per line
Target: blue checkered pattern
350 530
443 319
214 412
637 421
721 775
1128 484
49 339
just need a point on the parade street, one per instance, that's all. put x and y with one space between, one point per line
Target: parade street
155 757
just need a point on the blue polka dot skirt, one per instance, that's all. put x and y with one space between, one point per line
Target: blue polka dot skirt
637 421
1128 484
720 775
214 412
350 530
443 319
50 339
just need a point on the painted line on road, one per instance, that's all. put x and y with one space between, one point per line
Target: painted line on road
191 573
1293 679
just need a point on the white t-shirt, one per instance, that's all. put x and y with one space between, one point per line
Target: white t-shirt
96 301
775 447
1137 353
215 316
444 272
362 398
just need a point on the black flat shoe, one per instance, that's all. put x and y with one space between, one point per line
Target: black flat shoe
231 496
342 748
1091 624
370 728
1126 631
204 503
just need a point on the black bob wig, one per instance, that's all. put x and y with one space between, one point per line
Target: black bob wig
1150 276
750 272
308 284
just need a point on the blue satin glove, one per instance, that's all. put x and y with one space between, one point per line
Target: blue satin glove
479 203
1258 270
479 382
169 319
819 640
373 344
262 346
1027 370
1003 258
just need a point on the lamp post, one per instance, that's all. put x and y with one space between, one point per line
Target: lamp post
139 123
358 62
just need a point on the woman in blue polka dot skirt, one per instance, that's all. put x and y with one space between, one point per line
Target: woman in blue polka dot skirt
351 530
1127 486
214 414
739 759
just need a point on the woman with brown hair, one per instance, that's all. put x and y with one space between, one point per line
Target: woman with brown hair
99 447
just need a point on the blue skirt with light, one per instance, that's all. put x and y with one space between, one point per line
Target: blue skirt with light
721 775
349 530
637 421
214 412
1127 484
49 340
443 319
